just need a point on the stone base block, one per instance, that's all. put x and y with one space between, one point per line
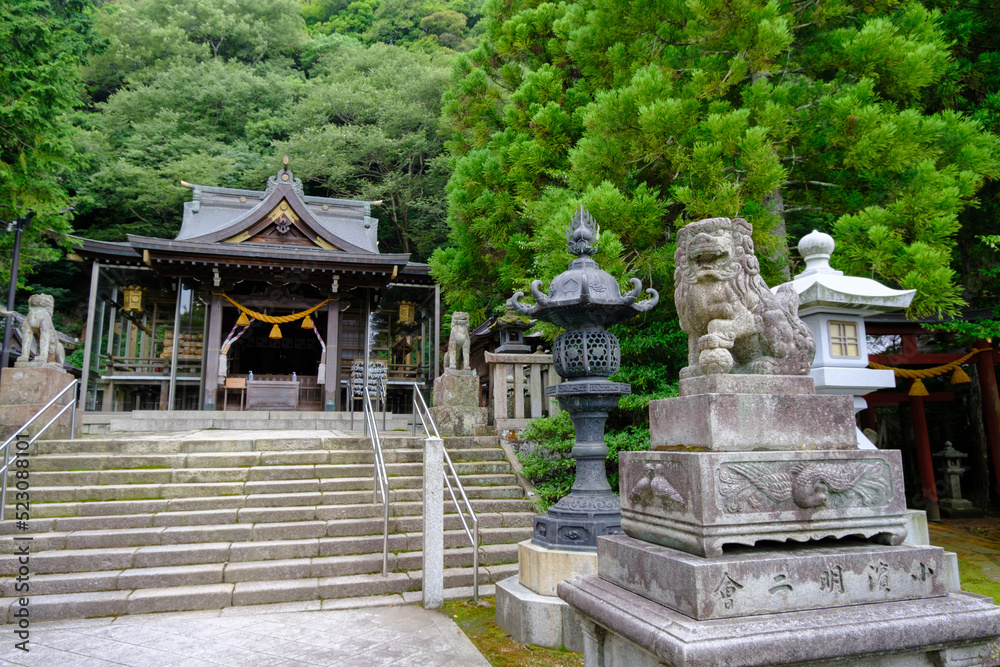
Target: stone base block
771 580
530 618
32 385
622 629
729 383
457 388
958 509
753 422
24 391
457 420
700 501
540 570
12 417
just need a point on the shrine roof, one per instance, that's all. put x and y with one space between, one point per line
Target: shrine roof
218 214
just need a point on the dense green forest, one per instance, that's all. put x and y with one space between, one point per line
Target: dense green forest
481 125
108 105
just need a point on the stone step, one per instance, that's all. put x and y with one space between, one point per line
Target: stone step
233 442
217 595
101 461
491 531
404 546
167 510
128 523
146 491
185 475
134 427
364 519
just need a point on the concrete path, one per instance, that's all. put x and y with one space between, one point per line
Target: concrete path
372 637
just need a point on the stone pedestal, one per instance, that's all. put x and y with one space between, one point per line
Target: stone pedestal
25 390
772 540
702 501
622 629
456 408
739 413
527 606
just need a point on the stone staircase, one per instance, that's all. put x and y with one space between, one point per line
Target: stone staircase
127 523
146 421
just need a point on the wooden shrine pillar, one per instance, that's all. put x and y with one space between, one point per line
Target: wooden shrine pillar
991 403
925 463
331 386
210 385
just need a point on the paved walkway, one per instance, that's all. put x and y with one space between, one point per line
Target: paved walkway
401 635
370 637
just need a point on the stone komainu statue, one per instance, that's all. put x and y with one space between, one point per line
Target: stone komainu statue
37 326
733 321
457 357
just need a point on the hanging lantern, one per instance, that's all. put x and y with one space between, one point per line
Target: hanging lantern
132 294
407 312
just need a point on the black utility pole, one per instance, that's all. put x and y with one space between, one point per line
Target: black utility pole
17 227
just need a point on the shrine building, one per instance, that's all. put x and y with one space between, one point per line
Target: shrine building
262 301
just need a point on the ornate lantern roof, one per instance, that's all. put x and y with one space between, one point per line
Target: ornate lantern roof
584 295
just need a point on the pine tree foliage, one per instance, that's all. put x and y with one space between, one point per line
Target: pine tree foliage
42 46
654 113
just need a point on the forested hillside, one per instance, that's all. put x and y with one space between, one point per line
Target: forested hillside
873 121
113 103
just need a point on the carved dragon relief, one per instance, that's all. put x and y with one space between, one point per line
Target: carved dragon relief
755 486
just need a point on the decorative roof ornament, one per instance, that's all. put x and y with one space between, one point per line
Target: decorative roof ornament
582 234
283 177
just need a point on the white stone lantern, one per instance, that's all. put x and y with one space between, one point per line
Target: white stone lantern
834 307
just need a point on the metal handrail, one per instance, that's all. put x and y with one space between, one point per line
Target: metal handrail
381 481
7 461
420 410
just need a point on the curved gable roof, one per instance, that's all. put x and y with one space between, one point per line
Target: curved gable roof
229 221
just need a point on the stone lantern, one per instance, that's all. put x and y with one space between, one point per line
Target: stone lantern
512 327
834 306
584 300
953 505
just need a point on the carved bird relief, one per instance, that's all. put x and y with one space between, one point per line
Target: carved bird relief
655 485
808 485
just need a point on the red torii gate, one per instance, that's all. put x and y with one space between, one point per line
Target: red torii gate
910 356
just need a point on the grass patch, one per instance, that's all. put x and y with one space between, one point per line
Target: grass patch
478 622
974 581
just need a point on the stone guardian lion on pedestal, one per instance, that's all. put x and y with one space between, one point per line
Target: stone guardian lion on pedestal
733 321
37 326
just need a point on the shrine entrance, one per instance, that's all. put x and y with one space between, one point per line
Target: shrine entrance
273 283
297 351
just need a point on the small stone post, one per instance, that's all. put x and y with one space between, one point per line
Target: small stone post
433 576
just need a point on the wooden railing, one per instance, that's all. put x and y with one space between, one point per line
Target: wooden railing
142 366
529 374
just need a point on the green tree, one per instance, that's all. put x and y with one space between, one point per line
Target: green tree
43 44
342 17
793 115
356 121
369 129
973 87
144 36
208 122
